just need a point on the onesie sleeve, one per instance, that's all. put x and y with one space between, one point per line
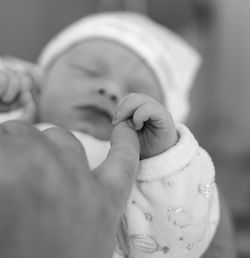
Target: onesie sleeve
173 209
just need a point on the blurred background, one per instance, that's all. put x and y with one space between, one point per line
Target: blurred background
219 30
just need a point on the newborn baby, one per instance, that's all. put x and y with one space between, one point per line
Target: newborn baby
109 68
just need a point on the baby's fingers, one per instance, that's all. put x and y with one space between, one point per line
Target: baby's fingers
4 80
147 111
127 107
11 88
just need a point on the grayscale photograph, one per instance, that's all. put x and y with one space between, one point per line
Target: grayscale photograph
124 129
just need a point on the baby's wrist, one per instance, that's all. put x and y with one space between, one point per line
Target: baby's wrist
172 139
167 131
169 135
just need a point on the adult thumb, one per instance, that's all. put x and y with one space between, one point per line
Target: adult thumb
119 169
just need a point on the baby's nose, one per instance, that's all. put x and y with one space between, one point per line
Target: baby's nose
110 90
110 95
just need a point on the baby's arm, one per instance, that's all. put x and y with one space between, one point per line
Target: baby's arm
173 208
18 85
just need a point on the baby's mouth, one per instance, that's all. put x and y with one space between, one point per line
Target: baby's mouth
95 112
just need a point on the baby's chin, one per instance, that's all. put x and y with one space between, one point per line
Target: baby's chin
101 131
98 128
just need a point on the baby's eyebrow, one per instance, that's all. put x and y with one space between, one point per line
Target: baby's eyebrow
96 62
87 63
99 61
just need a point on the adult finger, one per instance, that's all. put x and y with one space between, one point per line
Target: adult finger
69 147
119 170
16 128
127 107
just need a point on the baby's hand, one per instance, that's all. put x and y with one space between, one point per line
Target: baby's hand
153 123
16 83
11 86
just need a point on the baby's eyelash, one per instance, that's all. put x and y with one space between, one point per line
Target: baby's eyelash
91 72
87 70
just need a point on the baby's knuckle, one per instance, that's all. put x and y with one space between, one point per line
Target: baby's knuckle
148 108
133 94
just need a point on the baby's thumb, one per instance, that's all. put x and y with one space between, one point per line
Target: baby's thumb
119 169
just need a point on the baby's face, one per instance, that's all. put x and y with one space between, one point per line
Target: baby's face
83 87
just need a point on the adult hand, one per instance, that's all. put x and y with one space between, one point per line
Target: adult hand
51 205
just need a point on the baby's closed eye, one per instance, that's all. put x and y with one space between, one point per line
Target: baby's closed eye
88 70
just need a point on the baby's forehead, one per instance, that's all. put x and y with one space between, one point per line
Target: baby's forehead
105 48
104 51
107 59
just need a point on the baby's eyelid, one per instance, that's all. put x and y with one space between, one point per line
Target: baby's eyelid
91 71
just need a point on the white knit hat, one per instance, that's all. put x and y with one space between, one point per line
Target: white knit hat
172 60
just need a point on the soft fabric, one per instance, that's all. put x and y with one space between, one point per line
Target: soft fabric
172 60
173 209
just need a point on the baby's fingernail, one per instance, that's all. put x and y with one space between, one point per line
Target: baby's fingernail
131 124
114 120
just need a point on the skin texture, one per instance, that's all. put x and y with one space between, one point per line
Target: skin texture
51 205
